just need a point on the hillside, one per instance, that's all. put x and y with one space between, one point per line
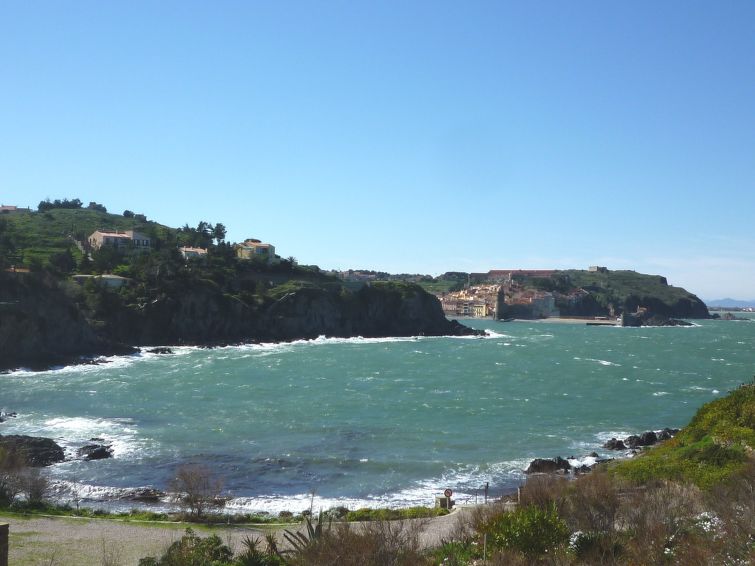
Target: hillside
625 291
717 443
37 236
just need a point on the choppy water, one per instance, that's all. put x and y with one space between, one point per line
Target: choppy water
376 421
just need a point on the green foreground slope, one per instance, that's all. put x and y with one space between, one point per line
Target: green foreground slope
716 444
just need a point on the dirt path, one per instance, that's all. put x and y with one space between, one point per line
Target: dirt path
67 541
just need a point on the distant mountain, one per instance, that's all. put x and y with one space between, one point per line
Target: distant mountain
730 303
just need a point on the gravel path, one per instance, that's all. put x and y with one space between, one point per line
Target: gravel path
67 541
58 541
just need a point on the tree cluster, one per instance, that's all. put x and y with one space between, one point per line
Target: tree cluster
47 204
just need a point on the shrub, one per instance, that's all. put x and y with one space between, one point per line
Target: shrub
592 503
542 490
372 544
530 530
192 550
196 489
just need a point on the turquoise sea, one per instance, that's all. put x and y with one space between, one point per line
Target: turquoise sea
374 422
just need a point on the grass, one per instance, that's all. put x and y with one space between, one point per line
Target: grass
367 514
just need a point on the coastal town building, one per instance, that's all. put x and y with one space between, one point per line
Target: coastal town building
253 249
10 208
597 269
478 301
120 240
192 253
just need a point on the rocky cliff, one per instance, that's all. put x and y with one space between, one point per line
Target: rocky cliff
40 324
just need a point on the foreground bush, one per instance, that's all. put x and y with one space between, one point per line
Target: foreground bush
530 530
193 550
378 543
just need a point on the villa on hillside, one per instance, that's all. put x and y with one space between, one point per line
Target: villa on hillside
253 249
192 253
5 208
120 240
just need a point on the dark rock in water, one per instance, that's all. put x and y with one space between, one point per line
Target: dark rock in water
657 320
730 316
160 350
648 438
95 452
594 455
37 451
143 494
5 416
615 444
548 466
583 469
97 439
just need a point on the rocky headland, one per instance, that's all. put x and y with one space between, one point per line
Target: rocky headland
42 323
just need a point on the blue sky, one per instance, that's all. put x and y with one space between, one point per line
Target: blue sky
401 136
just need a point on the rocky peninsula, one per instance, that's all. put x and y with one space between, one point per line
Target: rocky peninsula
44 321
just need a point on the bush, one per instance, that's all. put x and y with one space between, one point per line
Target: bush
196 490
373 544
530 530
192 550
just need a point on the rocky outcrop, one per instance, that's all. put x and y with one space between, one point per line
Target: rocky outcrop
646 318
373 311
95 452
548 466
143 495
615 444
610 293
634 441
36 451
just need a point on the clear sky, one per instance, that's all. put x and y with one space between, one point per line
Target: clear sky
404 136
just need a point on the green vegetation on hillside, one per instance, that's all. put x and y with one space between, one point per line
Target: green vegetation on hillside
39 236
716 444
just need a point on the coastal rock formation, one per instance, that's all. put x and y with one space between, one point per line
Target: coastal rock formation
646 318
609 293
40 325
615 444
95 452
548 466
37 451
143 495
160 350
648 438
373 311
